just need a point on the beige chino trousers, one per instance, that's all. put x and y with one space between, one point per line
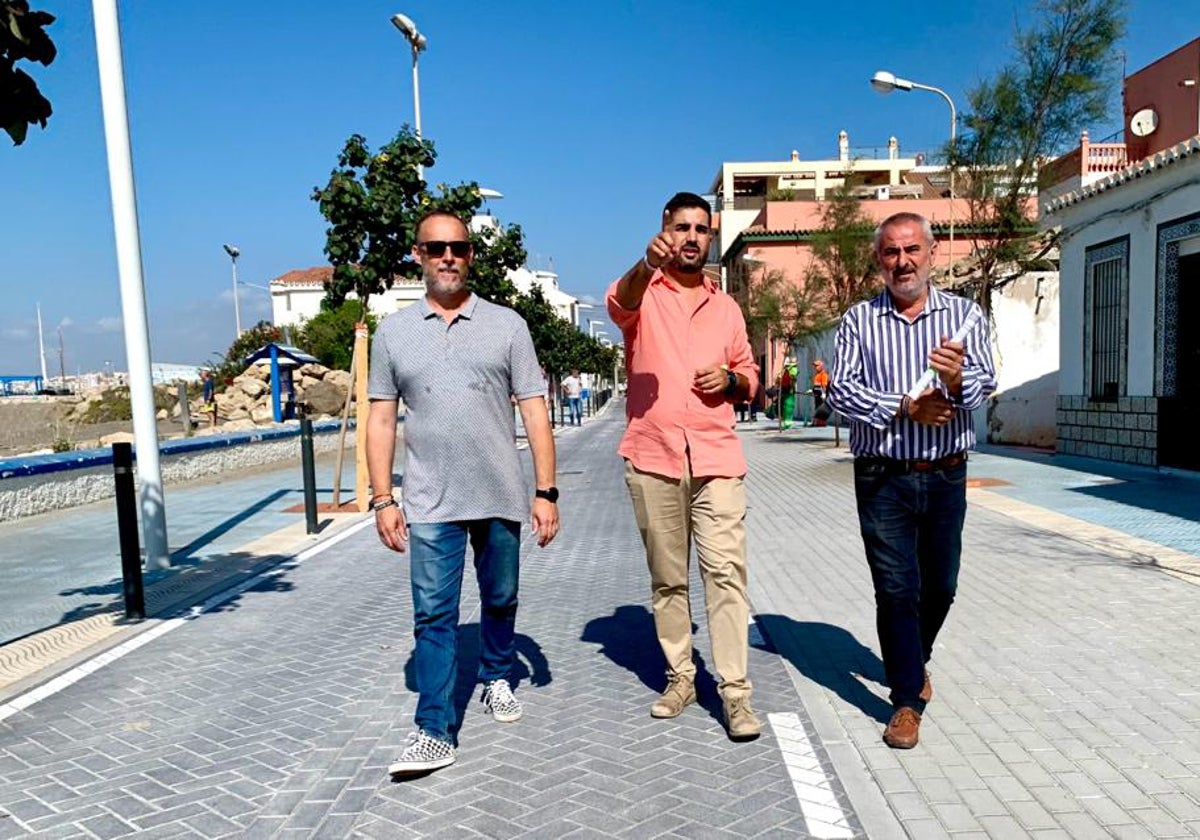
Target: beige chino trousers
669 513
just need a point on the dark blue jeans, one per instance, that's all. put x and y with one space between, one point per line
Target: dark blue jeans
575 406
912 531
437 552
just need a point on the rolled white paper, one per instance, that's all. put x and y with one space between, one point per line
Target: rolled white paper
927 377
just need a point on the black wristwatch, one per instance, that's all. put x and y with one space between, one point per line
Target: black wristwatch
550 495
731 384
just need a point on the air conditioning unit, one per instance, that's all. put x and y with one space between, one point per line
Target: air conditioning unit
883 193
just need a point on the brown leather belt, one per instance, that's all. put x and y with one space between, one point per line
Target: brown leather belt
900 466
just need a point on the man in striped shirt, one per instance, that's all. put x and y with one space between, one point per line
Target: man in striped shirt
910 464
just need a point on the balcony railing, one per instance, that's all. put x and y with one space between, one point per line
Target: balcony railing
1087 162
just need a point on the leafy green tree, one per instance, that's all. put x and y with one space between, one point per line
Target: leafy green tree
1061 79
843 265
783 310
22 38
329 335
373 203
233 362
560 346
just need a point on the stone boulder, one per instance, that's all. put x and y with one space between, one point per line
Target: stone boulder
338 378
325 398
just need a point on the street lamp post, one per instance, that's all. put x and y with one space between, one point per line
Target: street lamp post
234 253
418 42
592 322
885 83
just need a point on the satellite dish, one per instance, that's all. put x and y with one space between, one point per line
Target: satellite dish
1144 122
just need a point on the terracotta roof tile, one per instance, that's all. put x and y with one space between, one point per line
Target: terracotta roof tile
316 276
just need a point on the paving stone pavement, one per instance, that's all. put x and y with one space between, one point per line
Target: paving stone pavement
277 713
1065 702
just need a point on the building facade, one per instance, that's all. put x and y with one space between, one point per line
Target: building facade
1129 384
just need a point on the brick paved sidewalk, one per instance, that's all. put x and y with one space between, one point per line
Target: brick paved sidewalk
1065 703
277 712
1066 700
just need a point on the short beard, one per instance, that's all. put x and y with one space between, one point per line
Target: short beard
688 268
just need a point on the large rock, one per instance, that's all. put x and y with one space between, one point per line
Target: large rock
262 415
338 378
252 388
325 398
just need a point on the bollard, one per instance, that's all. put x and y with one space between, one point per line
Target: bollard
185 414
310 481
127 527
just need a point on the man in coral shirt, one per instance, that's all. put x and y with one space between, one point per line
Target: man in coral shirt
688 362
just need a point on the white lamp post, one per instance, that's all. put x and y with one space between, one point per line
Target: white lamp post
418 42
592 322
234 253
129 271
885 83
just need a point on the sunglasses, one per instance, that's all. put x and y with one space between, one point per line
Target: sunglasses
436 248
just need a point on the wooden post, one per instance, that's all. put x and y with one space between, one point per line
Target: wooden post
341 449
362 484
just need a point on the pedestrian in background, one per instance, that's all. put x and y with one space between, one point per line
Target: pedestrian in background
910 454
572 387
451 356
820 387
208 395
689 361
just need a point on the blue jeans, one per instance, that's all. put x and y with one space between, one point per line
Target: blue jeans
437 552
575 407
912 531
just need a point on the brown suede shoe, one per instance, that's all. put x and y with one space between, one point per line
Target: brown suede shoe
680 693
740 720
926 690
903 729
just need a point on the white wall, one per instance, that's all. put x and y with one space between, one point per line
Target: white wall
1025 348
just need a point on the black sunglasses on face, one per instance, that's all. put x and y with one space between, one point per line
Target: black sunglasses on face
436 248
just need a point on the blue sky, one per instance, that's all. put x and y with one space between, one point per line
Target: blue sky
586 116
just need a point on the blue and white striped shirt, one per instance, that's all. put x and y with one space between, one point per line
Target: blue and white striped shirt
880 355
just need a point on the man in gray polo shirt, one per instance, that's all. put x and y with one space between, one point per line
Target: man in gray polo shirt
457 361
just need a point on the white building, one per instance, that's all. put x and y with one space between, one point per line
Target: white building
296 296
1129 386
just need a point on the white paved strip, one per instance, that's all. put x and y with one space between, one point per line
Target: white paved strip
818 803
69 678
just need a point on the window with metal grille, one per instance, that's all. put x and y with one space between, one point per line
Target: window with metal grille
1107 319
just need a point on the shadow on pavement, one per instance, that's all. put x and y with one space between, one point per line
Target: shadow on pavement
627 637
1140 487
225 527
531 666
1176 497
188 582
829 656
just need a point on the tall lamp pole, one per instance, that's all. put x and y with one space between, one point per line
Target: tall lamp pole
418 43
234 253
886 82
129 271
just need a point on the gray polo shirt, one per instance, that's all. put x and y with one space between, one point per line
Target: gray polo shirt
456 380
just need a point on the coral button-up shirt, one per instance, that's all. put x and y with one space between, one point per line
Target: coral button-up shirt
666 342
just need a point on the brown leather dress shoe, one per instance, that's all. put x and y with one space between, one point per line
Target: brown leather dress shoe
926 690
903 729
